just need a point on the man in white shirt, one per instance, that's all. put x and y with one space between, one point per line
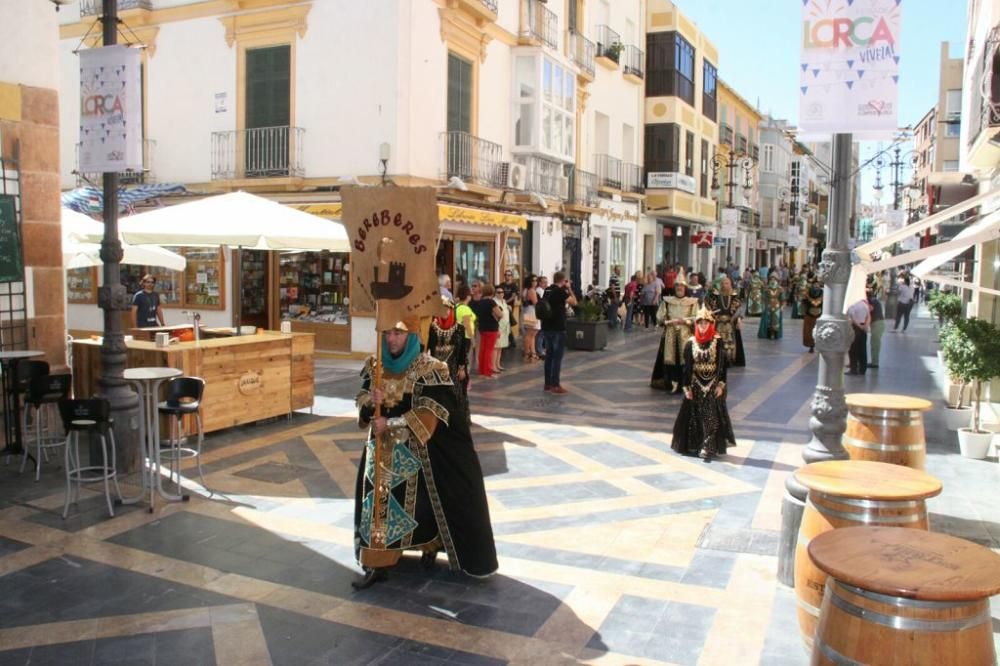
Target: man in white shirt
904 303
860 317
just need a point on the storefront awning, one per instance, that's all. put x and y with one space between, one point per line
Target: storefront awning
446 213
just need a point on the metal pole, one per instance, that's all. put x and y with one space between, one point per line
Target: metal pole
892 298
833 338
114 300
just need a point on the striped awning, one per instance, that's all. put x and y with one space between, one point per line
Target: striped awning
446 213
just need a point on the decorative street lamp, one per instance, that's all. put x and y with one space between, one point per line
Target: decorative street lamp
734 163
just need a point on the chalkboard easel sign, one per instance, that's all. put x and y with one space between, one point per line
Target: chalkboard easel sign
11 260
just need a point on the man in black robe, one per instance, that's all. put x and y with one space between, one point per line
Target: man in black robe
433 496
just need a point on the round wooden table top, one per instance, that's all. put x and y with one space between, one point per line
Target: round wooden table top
908 563
887 401
867 479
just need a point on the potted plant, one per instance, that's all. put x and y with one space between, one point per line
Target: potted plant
613 51
957 410
946 306
972 353
586 330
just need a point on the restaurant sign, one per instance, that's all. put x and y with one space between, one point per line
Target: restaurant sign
670 180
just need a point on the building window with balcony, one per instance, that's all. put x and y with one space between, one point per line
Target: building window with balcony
768 161
459 94
663 147
669 66
709 86
268 111
689 153
544 121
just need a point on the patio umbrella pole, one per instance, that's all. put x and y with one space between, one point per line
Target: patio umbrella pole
114 300
238 291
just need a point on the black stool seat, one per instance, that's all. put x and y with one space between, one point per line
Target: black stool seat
184 395
191 407
41 395
93 415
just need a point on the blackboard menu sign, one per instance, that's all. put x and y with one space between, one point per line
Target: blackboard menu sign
11 261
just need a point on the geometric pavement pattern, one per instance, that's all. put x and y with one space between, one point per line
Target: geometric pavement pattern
613 549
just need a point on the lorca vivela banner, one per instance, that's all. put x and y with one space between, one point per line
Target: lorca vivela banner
110 109
849 72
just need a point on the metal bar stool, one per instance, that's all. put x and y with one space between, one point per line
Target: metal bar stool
184 396
40 402
93 416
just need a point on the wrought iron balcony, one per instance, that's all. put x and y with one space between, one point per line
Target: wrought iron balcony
726 134
130 177
544 177
632 178
583 188
741 144
472 159
95 7
609 43
582 51
261 152
609 171
539 23
634 61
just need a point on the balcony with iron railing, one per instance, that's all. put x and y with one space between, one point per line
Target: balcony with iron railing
96 7
261 152
544 176
583 188
634 63
741 144
472 159
984 117
582 51
726 135
632 178
129 177
609 171
609 47
539 24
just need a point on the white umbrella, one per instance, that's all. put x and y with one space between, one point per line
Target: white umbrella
78 232
238 220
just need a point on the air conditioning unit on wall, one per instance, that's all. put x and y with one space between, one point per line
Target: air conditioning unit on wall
517 176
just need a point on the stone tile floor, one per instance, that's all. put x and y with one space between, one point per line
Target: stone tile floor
613 549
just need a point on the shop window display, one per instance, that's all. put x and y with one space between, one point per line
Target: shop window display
314 286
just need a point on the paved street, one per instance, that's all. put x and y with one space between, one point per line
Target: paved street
613 549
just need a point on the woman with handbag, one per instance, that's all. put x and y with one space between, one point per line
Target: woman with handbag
529 320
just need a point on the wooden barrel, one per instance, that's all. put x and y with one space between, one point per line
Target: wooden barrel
845 493
886 428
897 596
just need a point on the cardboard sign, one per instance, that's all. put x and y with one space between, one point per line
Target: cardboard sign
393 233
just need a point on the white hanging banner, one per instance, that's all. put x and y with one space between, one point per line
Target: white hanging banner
849 69
730 223
110 109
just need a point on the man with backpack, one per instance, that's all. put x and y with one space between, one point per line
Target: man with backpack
551 311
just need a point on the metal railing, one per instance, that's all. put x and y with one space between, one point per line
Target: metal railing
582 51
129 177
490 5
632 178
539 23
634 61
261 152
609 171
609 43
741 144
544 176
583 188
472 159
726 134
95 7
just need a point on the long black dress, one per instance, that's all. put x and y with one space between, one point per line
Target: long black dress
437 492
703 421
451 346
727 314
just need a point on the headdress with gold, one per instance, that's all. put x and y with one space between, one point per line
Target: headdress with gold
704 313
681 278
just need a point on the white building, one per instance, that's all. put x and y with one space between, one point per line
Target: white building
531 111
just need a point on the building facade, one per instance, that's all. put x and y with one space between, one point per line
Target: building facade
525 115
736 171
681 134
776 161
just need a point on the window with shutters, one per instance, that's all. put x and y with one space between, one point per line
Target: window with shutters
459 94
268 111
663 147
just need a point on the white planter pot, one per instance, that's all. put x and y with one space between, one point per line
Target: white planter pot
957 418
974 444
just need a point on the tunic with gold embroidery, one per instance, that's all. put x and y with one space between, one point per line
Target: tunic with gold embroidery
703 421
436 491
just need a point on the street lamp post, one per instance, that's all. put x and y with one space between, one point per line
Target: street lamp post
732 162
113 299
833 338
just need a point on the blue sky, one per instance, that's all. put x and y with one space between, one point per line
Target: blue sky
758 42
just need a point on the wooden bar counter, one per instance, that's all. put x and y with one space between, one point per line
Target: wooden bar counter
247 378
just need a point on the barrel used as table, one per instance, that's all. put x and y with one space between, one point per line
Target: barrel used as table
845 493
897 596
886 428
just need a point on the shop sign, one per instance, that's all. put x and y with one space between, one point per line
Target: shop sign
110 110
849 68
670 180
393 233
702 239
249 382
668 232
761 243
